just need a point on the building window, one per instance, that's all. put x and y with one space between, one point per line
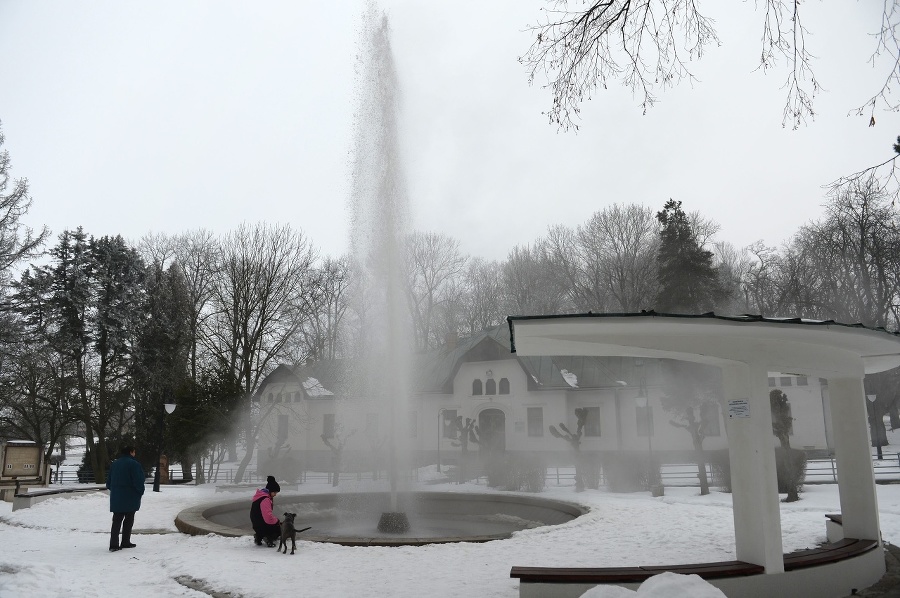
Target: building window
282 429
645 421
802 381
448 423
271 397
278 398
771 382
535 421
709 419
592 423
413 424
298 396
490 387
476 387
504 386
786 381
328 425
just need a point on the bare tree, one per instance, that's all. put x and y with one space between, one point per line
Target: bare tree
732 265
195 255
610 261
325 303
691 393
482 299
259 277
853 255
17 241
34 403
530 283
434 265
647 46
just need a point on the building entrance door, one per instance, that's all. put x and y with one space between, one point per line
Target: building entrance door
492 425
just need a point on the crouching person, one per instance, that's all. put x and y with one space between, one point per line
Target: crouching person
266 525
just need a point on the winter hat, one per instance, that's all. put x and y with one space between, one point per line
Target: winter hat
272 485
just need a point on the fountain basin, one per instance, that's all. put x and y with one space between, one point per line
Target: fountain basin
351 519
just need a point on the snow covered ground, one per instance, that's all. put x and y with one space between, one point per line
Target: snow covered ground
59 547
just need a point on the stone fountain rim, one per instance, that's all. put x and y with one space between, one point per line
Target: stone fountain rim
193 520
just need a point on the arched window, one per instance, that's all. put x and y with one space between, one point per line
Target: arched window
476 387
490 387
504 386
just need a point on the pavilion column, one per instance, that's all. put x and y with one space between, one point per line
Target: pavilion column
856 478
754 484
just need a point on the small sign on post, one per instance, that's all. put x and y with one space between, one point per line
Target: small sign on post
739 408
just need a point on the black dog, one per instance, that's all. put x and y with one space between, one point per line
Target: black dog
288 531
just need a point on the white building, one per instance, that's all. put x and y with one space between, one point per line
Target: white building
513 401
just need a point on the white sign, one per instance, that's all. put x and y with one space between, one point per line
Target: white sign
739 408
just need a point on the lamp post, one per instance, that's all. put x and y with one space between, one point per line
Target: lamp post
441 419
169 408
644 403
876 429
620 384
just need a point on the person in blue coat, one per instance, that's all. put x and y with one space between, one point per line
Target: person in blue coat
126 486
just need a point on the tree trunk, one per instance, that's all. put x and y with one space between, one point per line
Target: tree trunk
186 465
336 470
701 464
245 462
200 476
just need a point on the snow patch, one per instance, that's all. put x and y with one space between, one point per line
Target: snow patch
314 388
570 378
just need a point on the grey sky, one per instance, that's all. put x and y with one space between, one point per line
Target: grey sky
134 117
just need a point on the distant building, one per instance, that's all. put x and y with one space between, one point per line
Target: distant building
512 399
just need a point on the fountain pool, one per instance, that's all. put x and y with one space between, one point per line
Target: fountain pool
351 519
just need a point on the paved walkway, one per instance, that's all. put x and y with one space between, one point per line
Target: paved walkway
889 585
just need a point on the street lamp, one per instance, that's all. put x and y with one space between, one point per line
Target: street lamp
875 427
644 403
442 417
169 408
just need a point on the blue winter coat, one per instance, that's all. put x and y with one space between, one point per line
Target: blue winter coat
126 485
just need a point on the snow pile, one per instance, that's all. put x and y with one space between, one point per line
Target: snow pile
664 585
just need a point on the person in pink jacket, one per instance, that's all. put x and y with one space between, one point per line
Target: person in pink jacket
266 525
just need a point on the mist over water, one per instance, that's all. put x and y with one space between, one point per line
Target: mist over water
379 221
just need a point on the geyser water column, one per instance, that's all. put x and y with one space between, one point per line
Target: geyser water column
379 208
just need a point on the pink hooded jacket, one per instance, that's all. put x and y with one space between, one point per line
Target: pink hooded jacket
265 506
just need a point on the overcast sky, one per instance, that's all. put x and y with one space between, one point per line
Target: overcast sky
131 117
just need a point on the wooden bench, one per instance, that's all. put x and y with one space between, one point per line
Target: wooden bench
827 553
831 552
631 574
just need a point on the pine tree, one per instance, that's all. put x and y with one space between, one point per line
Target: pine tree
688 281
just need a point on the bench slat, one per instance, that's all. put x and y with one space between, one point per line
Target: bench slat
829 553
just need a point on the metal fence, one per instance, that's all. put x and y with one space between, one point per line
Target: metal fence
818 471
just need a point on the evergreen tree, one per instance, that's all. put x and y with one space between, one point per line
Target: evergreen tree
688 281
86 304
161 364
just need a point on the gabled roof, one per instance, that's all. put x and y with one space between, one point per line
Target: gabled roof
435 370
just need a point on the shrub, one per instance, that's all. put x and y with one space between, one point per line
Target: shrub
790 465
590 470
516 472
790 468
625 472
720 463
